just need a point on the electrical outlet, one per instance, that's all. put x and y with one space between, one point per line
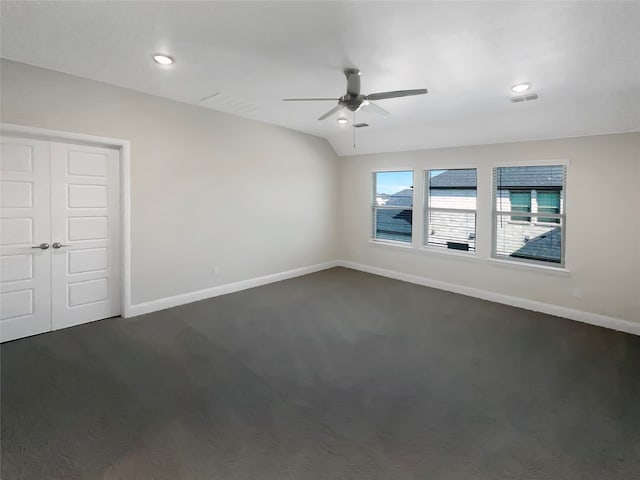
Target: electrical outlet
577 292
215 271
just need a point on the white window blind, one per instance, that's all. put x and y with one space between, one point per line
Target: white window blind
529 213
450 209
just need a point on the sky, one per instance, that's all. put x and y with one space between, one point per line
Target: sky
393 182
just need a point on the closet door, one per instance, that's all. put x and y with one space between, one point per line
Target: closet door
25 254
85 234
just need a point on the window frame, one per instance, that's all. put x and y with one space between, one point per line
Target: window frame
426 209
373 206
562 265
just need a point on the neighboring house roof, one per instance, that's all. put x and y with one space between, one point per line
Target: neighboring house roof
543 247
455 179
551 176
403 198
394 221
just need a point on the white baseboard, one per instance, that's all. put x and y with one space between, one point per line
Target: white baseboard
174 301
559 311
565 312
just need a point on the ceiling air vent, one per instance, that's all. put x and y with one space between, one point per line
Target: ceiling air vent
209 97
522 98
229 104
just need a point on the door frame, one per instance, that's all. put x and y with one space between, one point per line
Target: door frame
124 149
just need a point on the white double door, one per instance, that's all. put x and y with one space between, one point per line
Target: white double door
59 235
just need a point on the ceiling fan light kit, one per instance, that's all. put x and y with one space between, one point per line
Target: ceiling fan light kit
163 59
520 87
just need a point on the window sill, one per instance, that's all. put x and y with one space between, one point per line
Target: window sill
530 266
391 243
447 252
435 251
472 256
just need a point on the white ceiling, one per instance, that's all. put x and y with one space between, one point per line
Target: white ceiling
582 58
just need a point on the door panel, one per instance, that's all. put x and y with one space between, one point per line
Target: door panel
25 272
16 194
16 267
16 231
85 218
89 260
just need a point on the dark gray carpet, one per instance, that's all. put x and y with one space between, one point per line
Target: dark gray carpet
335 375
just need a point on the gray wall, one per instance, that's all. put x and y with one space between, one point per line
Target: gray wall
207 188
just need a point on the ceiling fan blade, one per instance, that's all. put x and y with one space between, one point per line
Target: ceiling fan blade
308 99
373 108
396 94
331 112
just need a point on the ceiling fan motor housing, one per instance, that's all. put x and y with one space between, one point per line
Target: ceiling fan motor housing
353 102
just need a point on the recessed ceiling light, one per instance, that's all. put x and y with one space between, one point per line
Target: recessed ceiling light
163 59
521 87
342 121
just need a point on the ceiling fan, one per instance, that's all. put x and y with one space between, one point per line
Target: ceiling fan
353 100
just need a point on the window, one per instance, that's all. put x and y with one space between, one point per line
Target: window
548 202
450 214
392 206
535 190
520 202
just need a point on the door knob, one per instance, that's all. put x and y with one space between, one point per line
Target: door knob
57 245
43 246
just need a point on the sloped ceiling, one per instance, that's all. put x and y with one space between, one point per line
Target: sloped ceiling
583 58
